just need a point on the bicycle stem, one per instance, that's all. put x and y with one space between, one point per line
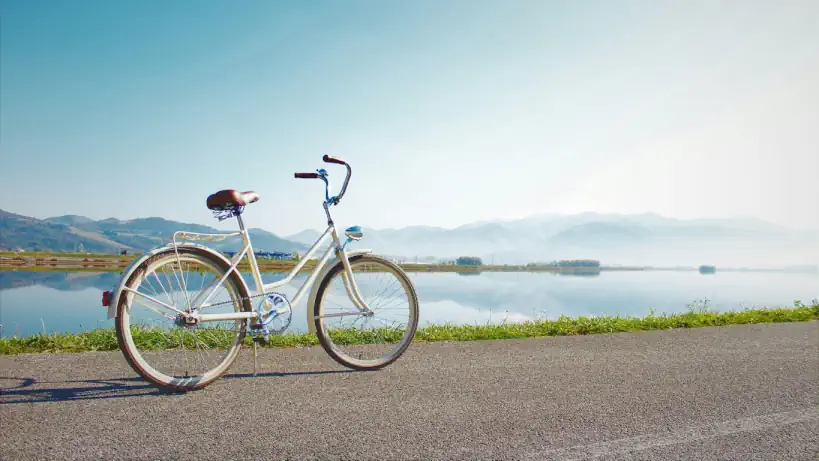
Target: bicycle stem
322 174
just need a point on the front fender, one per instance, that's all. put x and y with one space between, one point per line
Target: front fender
126 274
311 327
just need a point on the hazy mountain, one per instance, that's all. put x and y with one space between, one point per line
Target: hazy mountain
603 234
70 233
307 237
640 239
261 240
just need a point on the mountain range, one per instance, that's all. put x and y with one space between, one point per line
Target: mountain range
637 239
71 233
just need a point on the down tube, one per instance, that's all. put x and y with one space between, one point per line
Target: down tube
310 280
302 262
214 285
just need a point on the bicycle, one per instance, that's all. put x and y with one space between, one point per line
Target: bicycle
272 315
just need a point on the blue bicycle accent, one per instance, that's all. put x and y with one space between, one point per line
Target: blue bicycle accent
352 233
280 310
323 174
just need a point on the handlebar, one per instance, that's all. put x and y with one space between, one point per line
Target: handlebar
329 159
323 175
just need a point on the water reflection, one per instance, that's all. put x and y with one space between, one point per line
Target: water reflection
70 301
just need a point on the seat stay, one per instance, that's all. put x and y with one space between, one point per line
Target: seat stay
196 304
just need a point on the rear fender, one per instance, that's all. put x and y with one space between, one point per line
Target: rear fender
126 274
311 327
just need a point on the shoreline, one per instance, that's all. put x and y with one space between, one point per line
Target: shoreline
62 262
106 340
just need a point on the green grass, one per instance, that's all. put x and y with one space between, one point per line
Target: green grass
697 316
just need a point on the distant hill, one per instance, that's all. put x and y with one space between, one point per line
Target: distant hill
71 220
31 234
73 233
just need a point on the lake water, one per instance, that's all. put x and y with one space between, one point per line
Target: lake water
70 301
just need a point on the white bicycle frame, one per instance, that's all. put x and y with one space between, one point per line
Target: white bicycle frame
247 249
192 307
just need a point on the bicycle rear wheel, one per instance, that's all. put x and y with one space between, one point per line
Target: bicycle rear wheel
165 352
366 342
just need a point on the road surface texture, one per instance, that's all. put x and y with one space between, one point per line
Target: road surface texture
729 393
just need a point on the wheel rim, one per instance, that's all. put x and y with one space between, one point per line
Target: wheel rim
387 332
196 355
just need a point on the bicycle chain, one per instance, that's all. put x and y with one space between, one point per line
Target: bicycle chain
246 298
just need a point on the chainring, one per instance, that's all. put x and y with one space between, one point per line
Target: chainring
274 313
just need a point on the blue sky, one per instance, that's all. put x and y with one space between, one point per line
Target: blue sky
449 112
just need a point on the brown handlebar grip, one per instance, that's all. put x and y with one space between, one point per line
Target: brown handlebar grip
329 159
307 175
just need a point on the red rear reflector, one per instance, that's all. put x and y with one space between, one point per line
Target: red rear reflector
106 298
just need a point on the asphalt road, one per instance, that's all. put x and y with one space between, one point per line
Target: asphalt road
741 392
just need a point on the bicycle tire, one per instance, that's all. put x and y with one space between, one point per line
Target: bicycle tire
128 346
323 335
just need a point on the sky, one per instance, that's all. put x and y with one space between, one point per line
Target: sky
448 112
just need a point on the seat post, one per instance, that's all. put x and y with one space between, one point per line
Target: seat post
241 223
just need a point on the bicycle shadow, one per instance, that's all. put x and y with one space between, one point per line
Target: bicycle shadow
111 388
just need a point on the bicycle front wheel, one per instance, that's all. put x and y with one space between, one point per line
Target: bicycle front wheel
366 342
164 351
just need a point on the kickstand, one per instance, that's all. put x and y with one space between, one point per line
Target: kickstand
254 357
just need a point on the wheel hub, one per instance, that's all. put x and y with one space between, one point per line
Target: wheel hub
187 322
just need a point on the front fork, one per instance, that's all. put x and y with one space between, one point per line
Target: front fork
349 281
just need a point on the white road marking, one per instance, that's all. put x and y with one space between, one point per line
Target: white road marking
645 442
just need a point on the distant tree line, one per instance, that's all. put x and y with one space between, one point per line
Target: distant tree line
278 255
469 261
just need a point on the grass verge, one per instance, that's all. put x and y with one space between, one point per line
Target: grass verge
106 340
